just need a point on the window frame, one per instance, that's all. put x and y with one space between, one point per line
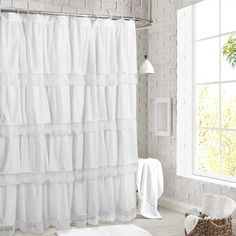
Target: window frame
195 169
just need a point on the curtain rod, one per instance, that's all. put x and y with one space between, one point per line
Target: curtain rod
142 22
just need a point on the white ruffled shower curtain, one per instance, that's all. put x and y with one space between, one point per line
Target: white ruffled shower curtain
68 141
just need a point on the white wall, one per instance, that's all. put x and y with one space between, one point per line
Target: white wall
163 53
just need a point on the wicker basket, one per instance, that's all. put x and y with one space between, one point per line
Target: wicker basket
207 227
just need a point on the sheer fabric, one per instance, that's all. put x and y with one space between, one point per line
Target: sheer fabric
68 142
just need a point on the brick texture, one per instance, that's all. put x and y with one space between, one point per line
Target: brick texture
162 50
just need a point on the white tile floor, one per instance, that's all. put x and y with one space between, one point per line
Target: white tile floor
171 224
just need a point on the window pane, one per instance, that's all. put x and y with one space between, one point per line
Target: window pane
228 98
207 18
227 71
208 151
227 16
229 153
207 106
207 60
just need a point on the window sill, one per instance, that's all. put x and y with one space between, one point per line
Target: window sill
213 180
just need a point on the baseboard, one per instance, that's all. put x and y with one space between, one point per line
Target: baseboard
181 207
173 205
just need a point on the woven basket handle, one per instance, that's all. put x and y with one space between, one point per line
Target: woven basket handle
219 226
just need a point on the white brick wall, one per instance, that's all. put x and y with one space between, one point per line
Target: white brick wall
162 50
115 7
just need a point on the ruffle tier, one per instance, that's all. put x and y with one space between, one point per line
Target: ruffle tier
62 104
65 45
34 207
42 157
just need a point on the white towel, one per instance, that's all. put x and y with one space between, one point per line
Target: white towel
214 206
190 223
114 230
217 207
150 187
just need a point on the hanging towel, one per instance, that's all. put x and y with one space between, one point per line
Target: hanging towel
150 187
114 230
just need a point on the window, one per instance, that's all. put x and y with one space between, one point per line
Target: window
214 91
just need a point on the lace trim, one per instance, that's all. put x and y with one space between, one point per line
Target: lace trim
66 177
68 129
7 230
58 80
79 221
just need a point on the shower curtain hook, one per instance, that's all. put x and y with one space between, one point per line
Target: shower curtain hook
109 14
28 8
96 16
93 15
43 8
